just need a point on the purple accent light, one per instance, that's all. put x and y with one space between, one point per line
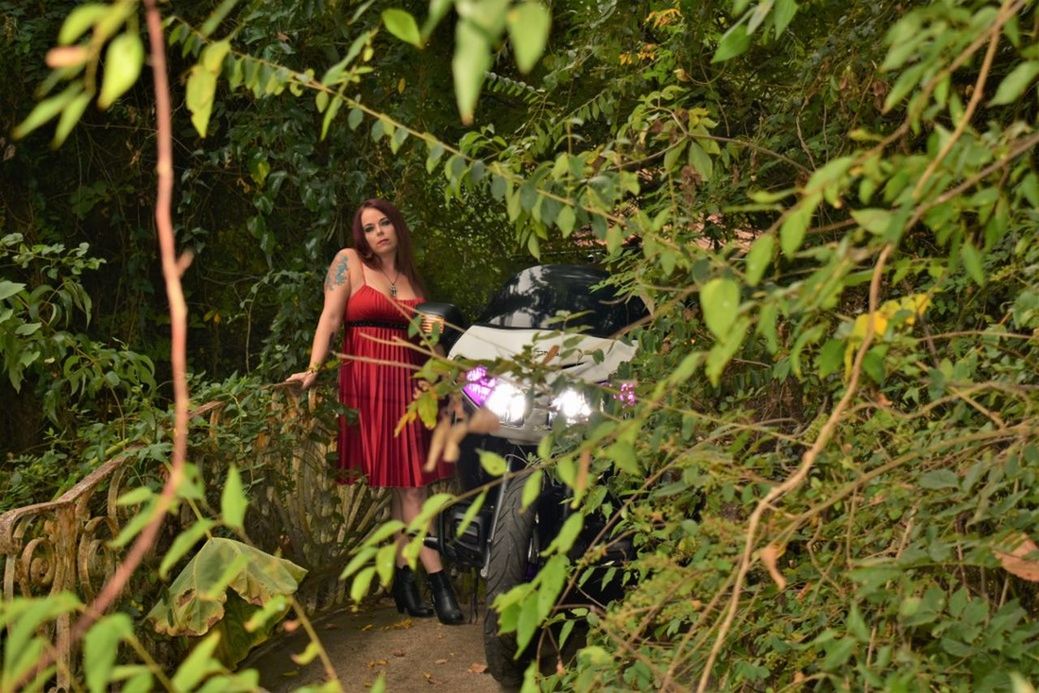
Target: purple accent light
478 386
626 396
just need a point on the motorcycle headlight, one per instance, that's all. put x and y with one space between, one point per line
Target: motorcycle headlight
509 403
573 405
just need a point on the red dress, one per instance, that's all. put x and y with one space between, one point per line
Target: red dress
379 386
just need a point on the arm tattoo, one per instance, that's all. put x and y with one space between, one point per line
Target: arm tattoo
337 274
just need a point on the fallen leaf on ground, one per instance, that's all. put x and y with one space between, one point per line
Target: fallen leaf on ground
398 653
368 627
403 624
429 678
1015 561
377 663
477 668
440 661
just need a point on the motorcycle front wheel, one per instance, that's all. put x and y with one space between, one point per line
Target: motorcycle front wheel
507 566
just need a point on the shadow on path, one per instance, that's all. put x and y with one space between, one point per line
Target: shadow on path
416 654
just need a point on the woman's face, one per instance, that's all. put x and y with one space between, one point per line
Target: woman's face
378 231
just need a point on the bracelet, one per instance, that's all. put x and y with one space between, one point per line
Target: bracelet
312 369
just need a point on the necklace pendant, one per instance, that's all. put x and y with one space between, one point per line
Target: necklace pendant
393 291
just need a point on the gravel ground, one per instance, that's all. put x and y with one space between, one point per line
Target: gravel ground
414 654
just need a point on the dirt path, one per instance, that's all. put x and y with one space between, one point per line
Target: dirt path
415 654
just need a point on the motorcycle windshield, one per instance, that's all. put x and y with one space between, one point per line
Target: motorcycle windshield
560 297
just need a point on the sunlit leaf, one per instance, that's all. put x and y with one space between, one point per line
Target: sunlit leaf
402 25
123 61
528 25
719 300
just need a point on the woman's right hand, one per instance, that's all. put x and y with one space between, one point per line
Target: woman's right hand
304 379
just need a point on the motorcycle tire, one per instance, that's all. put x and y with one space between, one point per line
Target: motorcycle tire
507 567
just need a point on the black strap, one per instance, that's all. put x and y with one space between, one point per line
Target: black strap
388 324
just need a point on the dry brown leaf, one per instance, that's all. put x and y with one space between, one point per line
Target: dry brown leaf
769 555
584 463
551 354
377 663
368 627
483 420
440 661
398 653
453 440
1017 561
477 668
436 443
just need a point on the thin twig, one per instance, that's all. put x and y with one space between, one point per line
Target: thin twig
799 475
975 99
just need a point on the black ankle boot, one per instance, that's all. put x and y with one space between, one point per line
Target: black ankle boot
444 600
405 594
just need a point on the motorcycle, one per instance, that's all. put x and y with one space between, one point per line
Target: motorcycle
561 317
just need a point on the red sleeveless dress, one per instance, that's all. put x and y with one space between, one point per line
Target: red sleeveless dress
379 386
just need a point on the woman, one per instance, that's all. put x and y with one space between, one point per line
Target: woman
376 286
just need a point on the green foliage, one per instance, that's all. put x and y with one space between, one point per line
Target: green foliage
198 600
873 376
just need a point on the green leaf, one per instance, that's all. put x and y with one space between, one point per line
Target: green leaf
471 512
79 20
199 97
735 42
564 541
123 61
385 562
720 300
46 110
469 66
531 489
1015 83
362 556
100 647
830 358
792 233
8 289
528 25
184 542
493 463
402 25
700 161
330 114
361 583
232 500
876 221
724 349
198 665
552 577
939 479
783 14
565 220
758 258
69 117
355 117
197 596
972 262
135 525
623 455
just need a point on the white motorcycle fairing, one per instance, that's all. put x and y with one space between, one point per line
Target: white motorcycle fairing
575 363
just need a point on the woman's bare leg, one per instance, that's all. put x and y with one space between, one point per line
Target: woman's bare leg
410 500
397 514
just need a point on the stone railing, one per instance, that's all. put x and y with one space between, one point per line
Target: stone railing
296 507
